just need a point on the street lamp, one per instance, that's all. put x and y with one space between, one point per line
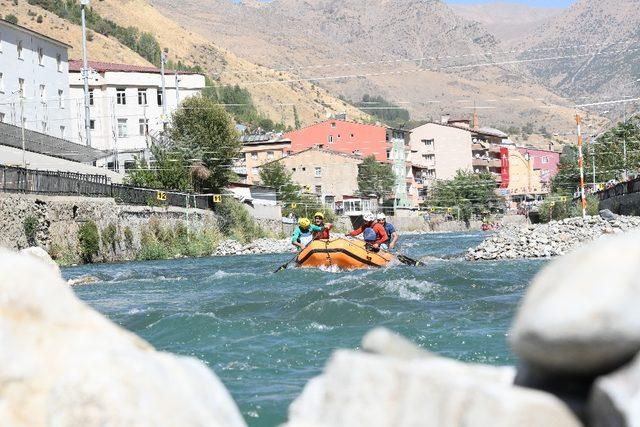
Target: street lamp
85 75
163 60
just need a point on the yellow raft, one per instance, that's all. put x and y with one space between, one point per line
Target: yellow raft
341 253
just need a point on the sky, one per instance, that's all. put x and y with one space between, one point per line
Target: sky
536 3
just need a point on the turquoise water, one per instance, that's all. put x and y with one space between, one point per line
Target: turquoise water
265 335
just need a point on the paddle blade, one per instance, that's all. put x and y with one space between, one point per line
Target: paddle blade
408 261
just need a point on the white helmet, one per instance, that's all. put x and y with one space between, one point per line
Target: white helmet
381 216
368 216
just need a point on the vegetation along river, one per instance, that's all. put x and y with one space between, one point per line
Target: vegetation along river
266 334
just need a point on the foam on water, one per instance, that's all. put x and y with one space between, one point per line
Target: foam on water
267 334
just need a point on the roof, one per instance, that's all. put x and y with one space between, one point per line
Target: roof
482 131
75 65
30 31
268 138
337 153
336 120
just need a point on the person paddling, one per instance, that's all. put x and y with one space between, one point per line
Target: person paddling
303 233
370 222
392 233
318 220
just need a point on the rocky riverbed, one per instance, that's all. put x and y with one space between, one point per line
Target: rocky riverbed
549 240
259 246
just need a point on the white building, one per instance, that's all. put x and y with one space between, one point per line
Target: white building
126 106
34 81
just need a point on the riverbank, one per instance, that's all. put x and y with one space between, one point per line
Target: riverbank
556 238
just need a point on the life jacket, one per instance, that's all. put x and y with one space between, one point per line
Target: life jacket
306 237
321 235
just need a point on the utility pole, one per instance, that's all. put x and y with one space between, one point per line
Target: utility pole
85 75
163 59
22 120
593 164
177 89
624 141
581 165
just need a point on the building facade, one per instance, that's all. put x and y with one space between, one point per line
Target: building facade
126 106
258 150
525 182
545 161
34 81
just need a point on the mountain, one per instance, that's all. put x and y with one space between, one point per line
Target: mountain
508 22
419 54
599 40
273 98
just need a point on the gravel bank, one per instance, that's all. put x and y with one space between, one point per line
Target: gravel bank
548 240
260 246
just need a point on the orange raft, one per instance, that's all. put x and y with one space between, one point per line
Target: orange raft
341 253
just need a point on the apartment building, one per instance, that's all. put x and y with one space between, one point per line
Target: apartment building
126 106
258 150
34 81
545 161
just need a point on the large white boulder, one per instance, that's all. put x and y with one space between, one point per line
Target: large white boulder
367 389
615 398
63 364
580 315
41 255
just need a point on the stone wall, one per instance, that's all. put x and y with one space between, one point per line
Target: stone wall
629 204
60 217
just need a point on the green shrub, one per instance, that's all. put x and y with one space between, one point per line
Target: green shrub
89 238
236 222
554 209
128 238
63 255
30 225
11 17
40 19
110 237
153 251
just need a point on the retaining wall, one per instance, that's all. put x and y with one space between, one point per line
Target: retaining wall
628 204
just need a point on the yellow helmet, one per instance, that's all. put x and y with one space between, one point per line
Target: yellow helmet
318 214
304 222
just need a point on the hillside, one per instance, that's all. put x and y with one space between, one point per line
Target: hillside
358 47
276 100
508 22
606 64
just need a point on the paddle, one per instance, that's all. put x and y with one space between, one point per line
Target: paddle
286 264
408 261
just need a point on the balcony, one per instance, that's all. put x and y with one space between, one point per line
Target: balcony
480 162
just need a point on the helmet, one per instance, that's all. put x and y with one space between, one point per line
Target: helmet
369 235
318 214
381 216
368 216
304 222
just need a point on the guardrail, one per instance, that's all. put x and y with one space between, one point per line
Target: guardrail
20 180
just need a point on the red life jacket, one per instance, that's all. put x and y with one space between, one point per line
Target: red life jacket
321 235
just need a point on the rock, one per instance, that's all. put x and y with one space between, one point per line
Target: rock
361 389
580 315
63 364
608 215
384 342
615 400
42 256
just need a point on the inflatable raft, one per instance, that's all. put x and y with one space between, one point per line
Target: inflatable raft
341 253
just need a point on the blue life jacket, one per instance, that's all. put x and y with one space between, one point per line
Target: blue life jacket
369 235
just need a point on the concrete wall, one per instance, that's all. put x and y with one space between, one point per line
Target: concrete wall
451 149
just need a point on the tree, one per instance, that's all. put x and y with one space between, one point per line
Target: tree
148 47
205 135
375 178
473 193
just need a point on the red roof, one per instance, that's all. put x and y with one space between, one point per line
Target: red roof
75 65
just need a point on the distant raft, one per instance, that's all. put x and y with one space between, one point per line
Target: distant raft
343 254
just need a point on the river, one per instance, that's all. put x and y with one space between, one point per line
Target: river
266 334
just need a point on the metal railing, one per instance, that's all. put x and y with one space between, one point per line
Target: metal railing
620 189
20 180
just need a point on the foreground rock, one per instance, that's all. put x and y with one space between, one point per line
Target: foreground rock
42 256
581 314
63 364
365 389
548 240
259 246
615 400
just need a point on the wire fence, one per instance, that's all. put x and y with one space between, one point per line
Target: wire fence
21 180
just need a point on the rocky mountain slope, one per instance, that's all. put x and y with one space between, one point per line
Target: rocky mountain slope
274 99
600 40
418 53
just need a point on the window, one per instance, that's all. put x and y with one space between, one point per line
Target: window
1 117
333 124
62 131
351 135
60 101
254 155
143 125
19 49
129 164
304 169
1 83
270 155
293 169
428 143
159 97
59 62
41 56
43 94
142 97
21 88
255 171
545 159
121 97
44 126
430 158
318 189
388 154
318 172
90 96
92 124
122 128
330 139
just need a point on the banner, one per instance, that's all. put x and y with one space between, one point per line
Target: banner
504 167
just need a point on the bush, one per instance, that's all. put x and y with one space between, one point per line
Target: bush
128 238
236 222
110 237
40 19
12 18
554 209
160 242
30 225
89 238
